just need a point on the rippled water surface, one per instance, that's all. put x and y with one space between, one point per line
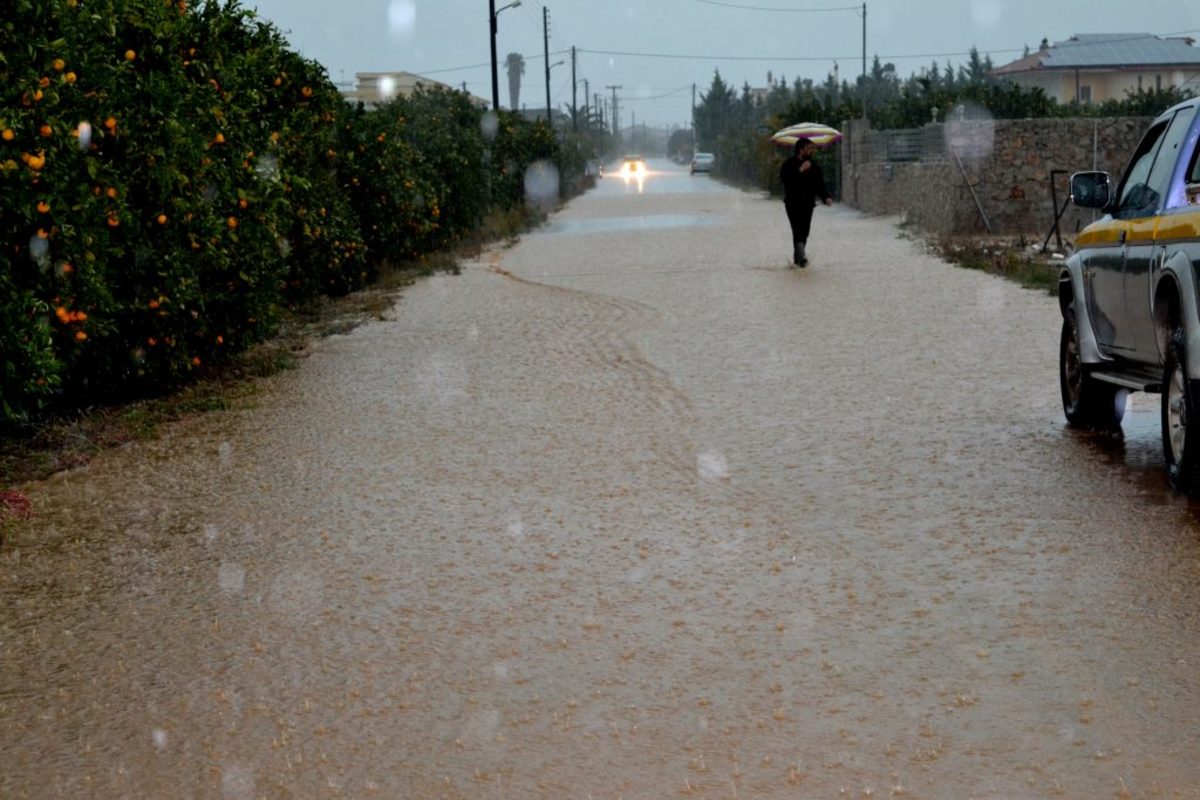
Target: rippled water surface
626 511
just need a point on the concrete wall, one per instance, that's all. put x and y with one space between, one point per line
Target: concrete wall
1006 163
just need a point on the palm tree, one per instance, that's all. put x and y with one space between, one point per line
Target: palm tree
515 64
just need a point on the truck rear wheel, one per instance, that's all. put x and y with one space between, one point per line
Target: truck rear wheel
1180 425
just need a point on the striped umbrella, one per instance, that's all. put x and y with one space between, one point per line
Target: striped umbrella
820 135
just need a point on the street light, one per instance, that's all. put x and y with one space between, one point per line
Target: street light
492 14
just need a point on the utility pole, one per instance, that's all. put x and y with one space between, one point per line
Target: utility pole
693 125
864 43
864 70
495 80
599 108
615 119
587 117
546 54
574 95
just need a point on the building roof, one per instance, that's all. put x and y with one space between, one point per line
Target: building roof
1109 51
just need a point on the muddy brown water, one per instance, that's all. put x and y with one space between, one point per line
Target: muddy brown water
628 510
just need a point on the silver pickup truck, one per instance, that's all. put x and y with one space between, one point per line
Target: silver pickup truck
1130 295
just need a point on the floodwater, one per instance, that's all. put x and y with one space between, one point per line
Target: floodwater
628 510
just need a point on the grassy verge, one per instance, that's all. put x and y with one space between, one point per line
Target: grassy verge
1016 259
61 443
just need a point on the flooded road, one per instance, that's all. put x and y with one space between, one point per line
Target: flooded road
628 510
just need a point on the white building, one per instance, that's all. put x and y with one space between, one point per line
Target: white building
1094 67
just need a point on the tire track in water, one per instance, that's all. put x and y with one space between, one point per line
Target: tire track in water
604 342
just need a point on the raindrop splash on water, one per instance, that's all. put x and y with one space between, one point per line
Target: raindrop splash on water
489 125
85 135
39 251
516 528
541 184
970 132
986 12
211 532
231 578
402 19
237 783
712 466
267 168
159 737
225 453
387 88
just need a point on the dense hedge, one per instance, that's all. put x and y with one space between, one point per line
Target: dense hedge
172 178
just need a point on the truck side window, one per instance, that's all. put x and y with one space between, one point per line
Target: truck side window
1134 194
1192 181
1167 162
1149 177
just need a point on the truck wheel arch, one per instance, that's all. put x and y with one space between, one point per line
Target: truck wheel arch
1168 315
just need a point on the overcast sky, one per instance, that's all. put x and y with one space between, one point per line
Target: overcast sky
656 49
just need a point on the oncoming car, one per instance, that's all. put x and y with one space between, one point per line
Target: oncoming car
633 164
702 162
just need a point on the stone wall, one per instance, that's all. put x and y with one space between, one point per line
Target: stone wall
1007 164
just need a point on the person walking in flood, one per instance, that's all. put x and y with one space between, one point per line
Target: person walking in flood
803 185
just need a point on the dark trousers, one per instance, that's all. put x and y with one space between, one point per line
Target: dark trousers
800 216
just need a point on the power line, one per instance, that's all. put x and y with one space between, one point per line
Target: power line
671 93
889 56
538 57
785 10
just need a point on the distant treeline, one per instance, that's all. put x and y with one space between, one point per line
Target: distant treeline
736 126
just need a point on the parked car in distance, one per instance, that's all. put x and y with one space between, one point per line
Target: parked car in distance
1130 296
702 162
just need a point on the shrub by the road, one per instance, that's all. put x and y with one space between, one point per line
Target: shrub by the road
174 177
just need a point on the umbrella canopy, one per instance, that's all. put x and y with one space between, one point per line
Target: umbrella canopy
820 135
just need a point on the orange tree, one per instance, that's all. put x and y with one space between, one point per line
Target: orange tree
172 178
147 151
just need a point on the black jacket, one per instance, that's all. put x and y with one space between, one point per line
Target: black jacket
802 188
